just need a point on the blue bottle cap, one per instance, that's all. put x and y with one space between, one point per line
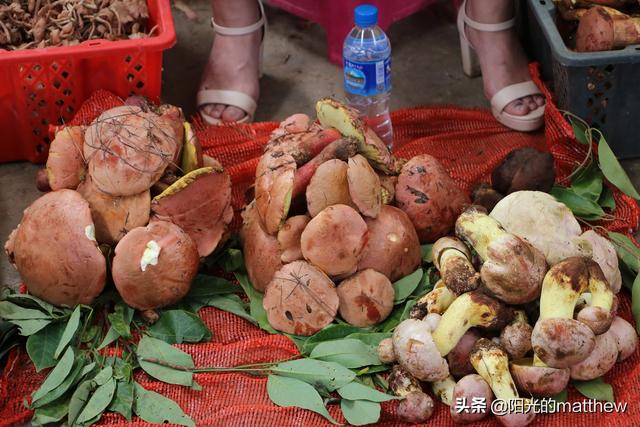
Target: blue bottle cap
366 15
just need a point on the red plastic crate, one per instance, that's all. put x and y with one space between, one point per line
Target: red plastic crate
43 87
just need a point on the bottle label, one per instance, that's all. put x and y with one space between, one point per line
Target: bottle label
367 78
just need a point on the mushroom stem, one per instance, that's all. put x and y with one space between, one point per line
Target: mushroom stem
453 259
492 362
478 229
435 301
443 390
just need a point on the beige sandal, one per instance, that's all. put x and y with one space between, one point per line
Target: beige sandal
233 97
471 67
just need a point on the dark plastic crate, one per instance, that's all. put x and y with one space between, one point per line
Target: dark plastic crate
601 87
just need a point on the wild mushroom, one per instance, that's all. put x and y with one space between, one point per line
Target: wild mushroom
538 380
154 265
601 250
512 269
274 186
524 169
289 238
366 298
200 204
300 299
443 390
295 123
328 186
393 247
626 337
561 342
468 389
601 359
453 259
385 351
65 163
435 301
55 251
485 196
388 188
417 352
401 382
472 309
334 240
191 151
458 357
515 338
492 363
364 186
415 408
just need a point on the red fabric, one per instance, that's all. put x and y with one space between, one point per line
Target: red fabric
469 143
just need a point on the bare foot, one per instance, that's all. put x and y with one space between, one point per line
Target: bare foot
502 59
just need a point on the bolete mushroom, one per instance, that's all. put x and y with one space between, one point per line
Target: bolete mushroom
436 300
512 269
453 259
65 163
524 169
328 186
300 299
538 380
601 359
416 351
401 382
484 195
458 357
289 237
467 390
602 251
416 407
191 151
154 265
366 298
334 240
385 351
443 390
364 186
626 337
273 188
515 338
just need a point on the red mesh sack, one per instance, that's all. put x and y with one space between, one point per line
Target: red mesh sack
470 144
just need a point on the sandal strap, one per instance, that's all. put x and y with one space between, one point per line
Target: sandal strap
463 20
227 97
510 93
240 31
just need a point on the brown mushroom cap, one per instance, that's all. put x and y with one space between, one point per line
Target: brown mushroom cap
366 298
416 407
538 380
65 163
289 237
128 150
596 318
453 259
601 359
626 337
262 255
114 216
516 339
524 169
200 204
154 265
334 240
393 247
561 343
300 299
328 186
364 186
55 251
458 358
466 389
275 175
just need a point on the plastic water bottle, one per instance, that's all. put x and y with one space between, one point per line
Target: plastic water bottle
367 71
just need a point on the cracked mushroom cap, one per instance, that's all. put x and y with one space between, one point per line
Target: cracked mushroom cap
328 186
55 250
300 299
417 353
364 186
114 216
128 150
561 343
334 240
275 176
65 163
453 259
154 265
366 298
200 204
393 247
538 380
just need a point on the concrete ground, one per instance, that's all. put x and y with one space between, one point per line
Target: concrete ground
426 70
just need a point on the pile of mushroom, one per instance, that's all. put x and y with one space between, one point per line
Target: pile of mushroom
470 336
336 219
134 181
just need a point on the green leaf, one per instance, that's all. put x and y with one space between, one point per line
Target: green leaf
51 412
430 277
42 345
349 353
121 318
635 301
627 251
427 253
104 375
29 301
579 130
70 380
69 331
606 199
233 304
110 337
581 207
331 332
122 402
204 287
11 311
154 349
588 183
613 171
99 401
256 309
79 399
178 326
232 260
357 391
30 326
57 375
287 392
595 389
327 375
370 338
405 286
153 407
360 412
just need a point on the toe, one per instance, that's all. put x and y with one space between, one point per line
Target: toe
212 110
539 100
517 108
233 114
531 103
219 108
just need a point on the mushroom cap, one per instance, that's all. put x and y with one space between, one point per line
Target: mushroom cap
300 299
516 339
334 240
295 123
466 389
485 196
275 175
328 186
401 382
561 343
602 251
200 204
65 163
417 353
393 247
626 337
596 31
55 251
448 242
114 216
128 150
154 265
458 358
601 359
262 254
524 169
289 237
453 259
385 351
364 186
538 380
416 407
366 298
596 318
